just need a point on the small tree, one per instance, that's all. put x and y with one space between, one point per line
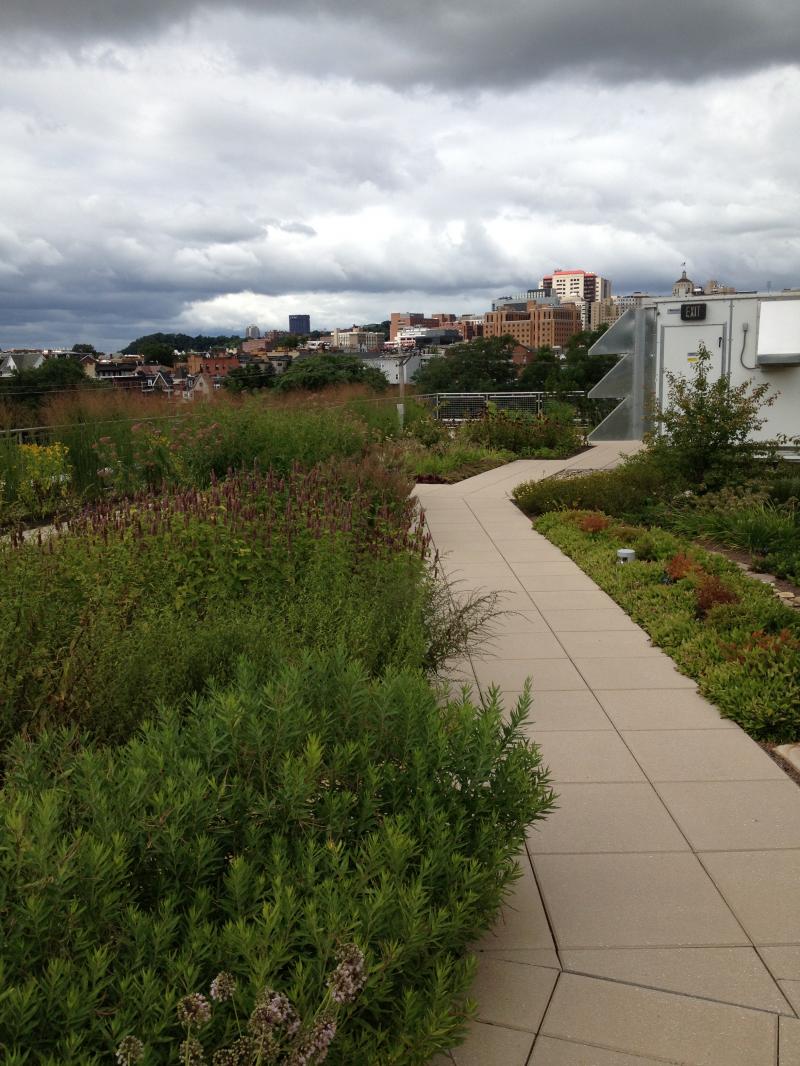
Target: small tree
325 370
482 365
705 434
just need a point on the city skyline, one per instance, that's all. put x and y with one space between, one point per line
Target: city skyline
165 170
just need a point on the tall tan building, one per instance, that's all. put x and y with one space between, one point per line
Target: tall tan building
542 325
604 312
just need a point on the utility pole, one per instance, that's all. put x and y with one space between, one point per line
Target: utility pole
401 381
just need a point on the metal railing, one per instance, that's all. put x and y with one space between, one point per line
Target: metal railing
465 406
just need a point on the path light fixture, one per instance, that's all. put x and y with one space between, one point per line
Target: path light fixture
625 555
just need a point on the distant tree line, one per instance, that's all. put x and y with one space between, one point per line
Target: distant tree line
160 347
485 365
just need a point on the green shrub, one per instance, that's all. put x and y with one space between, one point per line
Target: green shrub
708 427
698 609
553 434
782 489
630 490
257 832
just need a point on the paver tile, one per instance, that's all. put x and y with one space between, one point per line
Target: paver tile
653 670
525 956
783 961
789 1042
565 710
691 755
761 888
527 621
557 582
551 1052
592 599
728 975
610 817
595 756
560 565
791 989
655 708
732 815
576 621
511 993
523 551
547 674
655 900
522 924
491 1045
601 644
521 646
514 601
660 1025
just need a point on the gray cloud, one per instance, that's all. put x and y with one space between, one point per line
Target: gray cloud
452 43
238 165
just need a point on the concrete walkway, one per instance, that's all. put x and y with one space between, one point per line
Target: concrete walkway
657 919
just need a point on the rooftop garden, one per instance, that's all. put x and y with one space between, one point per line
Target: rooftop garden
702 482
240 822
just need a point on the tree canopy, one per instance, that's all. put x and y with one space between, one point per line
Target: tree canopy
33 387
324 369
482 365
245 378
159 347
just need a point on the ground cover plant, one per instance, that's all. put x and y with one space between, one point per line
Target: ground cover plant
450 461
726 630
300 831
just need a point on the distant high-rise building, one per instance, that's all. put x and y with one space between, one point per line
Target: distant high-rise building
632 300
577 285
252 333
300 324
541 325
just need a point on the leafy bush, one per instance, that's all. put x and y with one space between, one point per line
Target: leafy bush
553 434
632 489
593 523
698 607
34 479
707 429
769 531
782 489
711 592
277 819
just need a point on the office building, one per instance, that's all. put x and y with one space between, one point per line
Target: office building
300 324
539 326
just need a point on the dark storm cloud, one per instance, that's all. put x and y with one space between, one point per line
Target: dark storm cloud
459 43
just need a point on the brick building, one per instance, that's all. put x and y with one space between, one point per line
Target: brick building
541 325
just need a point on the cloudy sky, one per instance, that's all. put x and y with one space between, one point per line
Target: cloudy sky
181 166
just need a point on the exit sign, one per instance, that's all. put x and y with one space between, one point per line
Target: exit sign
693 312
